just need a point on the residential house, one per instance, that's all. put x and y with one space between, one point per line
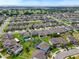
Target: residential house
15 49
12 46
39 54
72 40
58 42
43 46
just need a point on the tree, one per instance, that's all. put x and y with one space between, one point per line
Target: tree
1 45
55 35
27 49
69 57
73 57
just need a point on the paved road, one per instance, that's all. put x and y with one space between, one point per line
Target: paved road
62 55
4 25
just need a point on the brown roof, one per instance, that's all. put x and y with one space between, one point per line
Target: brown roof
43 46
58 40
39 54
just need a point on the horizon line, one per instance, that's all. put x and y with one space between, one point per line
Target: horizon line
35 6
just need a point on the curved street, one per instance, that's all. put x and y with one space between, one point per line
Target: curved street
62 55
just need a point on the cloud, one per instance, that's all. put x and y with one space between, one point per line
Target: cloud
40 2
10 2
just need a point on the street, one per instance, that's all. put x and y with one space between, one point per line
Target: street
4 25
62 55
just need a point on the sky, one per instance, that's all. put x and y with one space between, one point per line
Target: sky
39 2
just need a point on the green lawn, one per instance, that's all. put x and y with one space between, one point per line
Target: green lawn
73 57
18 35
54 50
46 39
28 49
28 46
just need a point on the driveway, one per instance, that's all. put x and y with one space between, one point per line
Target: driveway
62 55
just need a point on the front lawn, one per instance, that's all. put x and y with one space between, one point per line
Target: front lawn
54 50
28 49
46 39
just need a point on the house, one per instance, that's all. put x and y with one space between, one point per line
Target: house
58 42
43 46
8 35
15 50
76 27
39 54
72 39
57 29
7 43
12 46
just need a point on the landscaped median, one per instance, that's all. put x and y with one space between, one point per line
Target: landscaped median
73 57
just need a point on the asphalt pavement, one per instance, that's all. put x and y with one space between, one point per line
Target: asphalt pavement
62 55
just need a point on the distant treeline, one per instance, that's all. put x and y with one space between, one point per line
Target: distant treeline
33 11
